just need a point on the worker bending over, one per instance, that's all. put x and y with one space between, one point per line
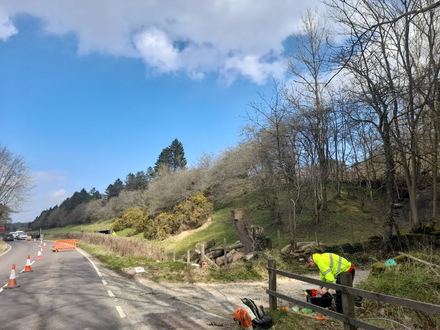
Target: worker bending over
330 266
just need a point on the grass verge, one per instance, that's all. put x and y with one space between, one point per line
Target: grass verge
290 320
407 280
3 246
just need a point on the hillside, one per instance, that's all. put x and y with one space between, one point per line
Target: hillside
345 222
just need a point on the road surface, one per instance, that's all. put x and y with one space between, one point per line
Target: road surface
62 292
69 290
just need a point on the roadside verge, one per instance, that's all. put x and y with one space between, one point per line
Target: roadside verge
4 248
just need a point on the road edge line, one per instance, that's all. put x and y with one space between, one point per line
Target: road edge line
7 250
121 313
90 260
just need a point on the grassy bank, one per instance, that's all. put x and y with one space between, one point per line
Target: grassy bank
174 271
344 221
411 280
86 228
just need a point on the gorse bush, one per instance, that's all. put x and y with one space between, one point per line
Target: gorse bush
188 214
133 217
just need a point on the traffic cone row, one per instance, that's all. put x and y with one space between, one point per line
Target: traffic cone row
12 281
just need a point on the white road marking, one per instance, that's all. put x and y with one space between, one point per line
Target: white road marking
93 264
32 262
104 282
7 250
120 312
110 293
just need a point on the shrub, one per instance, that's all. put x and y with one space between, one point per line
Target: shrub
132 218
191 213
122 246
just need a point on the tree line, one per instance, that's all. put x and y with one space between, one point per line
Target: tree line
86 206
368 102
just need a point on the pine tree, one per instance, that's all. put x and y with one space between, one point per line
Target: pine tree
114 189
130 182
164 159
178 155
141 180
171 157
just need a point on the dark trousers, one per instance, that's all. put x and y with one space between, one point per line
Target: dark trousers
338 296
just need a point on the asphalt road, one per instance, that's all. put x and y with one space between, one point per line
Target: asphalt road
63 292
68 290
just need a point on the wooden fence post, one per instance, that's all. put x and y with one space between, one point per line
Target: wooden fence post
272 284
225 251
188 257
174 255
347 300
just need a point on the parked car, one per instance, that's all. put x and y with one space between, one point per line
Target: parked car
13 233
8 237
21 235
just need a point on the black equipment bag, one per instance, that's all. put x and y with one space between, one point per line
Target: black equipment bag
261 321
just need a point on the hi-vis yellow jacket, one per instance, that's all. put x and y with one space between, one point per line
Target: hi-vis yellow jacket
330 265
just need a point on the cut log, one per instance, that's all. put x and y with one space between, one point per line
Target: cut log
231 257
215 254
236 245
236 256
242 225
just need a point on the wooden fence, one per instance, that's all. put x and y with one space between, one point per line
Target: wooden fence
348 294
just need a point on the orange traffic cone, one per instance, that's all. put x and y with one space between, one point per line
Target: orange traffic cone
12 282
27 268
39 255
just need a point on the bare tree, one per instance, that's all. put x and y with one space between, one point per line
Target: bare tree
14 179
309 68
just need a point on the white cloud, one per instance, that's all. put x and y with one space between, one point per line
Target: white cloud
57 196
7 29
231 37
157 50
42 177
254 68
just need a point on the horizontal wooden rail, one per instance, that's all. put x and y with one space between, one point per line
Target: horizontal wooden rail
413 304
335 315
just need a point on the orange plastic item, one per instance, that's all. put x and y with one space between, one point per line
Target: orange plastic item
320 317
284 308
64 245
12 282
28 267
242 316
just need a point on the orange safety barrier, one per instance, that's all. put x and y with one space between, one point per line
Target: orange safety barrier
64 245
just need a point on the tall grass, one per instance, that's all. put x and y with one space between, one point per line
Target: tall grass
122 246
408 280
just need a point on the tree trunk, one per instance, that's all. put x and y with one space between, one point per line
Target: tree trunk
389 184
436 122
292 220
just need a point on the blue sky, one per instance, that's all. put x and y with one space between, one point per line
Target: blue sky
83 108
